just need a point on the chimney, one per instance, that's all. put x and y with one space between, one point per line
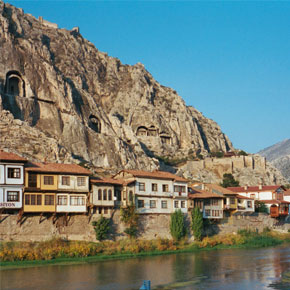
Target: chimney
260 186
202 186
246 187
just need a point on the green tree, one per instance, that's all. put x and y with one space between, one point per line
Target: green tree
228 180
177 225
130 218
260 206
242 153
101 227
197 223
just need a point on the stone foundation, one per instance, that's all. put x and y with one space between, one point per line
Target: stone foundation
79 227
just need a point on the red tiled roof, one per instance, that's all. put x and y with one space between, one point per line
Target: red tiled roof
57 168
6 156
274 201
111 181
200 194
254 188
244 197
287 192
155 174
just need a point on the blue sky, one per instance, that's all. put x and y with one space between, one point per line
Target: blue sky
228 59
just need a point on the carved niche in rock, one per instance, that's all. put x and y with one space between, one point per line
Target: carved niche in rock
165 138
142 131
152 131
14 84
95 123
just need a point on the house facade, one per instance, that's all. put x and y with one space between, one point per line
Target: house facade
210 204
105 195
155 192
56 188
11 181
272 196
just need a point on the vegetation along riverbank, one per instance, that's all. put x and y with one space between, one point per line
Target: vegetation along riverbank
58 251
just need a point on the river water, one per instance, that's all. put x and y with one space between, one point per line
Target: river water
267 268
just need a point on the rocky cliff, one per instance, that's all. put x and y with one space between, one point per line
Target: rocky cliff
90 105
279 156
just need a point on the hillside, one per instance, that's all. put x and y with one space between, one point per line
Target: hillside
96 109
279 156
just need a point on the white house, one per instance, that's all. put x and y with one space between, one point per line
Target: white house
11 181
271 195
156 192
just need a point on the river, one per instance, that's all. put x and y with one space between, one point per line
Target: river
267 268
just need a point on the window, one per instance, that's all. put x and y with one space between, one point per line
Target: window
199 204
65 180
207 212
140 203
179 188
105 210
49 199
100 210
141 186
12 195
164 204
176 203
110 194
32 180
32 199
81 181
232 200
152 203
154 187
206 202
183 204
215 213
131 196
105 194
249 204
252 195
77 200
99 194
62 200
165 188
13 172
48 180
215 201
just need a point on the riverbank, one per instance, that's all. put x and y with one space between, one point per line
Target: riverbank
61 252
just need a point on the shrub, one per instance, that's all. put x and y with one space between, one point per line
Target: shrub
177 225
130 218
101 227
242 153
197 223
260 206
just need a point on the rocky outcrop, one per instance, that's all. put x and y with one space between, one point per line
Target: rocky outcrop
90 105
279 156
248 170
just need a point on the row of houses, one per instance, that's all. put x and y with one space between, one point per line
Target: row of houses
29 187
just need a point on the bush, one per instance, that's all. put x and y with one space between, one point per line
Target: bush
130 218
101 227
229 180
177 225
197 223
242 153
260 207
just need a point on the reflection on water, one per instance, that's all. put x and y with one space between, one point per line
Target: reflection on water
223 269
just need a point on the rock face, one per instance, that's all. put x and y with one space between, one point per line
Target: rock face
279 156
89 105
248 170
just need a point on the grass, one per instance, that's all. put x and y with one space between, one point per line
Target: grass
57 251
